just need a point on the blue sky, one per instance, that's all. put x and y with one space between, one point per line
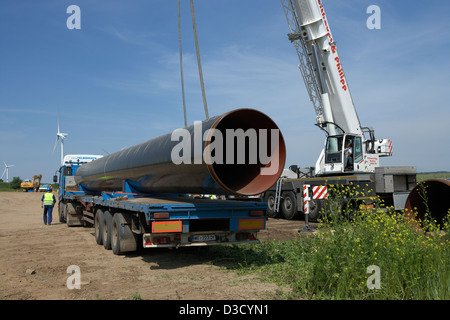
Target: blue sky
116 81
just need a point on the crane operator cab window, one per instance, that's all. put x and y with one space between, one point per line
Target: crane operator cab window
345 149
357 150
333 151
353 153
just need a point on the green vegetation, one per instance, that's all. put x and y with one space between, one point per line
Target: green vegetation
338 262
14 185
135 296
11 186
433 175
5 187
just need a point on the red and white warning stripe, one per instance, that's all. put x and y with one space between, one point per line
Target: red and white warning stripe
320 192
306 199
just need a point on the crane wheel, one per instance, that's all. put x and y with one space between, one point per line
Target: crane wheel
289 205
315 210
269 197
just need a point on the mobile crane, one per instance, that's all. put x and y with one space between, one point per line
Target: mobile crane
351 152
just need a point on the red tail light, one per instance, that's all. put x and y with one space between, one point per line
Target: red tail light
161 215
256 213
161 240
245 236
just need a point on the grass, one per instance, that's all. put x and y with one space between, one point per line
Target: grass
339 261
7 187
433 175
4 187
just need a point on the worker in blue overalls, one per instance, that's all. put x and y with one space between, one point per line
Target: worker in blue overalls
48 202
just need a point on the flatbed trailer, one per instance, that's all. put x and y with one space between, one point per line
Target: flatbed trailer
125 222
143 196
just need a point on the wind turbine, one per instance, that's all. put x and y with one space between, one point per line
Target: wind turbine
7 171
62 136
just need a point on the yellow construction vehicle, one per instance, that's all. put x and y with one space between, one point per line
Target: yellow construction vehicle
31 185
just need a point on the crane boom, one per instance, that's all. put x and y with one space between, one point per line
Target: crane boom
329 92
320 64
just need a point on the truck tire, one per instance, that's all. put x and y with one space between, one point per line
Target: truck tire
98 225
289 205
106 231
269 197
123 240
62 212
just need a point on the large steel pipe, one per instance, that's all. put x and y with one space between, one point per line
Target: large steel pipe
241 152
432 196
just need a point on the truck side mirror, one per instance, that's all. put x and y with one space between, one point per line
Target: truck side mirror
55 179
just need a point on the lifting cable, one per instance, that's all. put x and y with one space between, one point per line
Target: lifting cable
198 60
181 65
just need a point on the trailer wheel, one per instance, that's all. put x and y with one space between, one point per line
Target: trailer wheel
98 225
289 205
269 197
123 240
106 231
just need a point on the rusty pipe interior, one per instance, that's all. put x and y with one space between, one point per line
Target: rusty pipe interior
247 178
432 196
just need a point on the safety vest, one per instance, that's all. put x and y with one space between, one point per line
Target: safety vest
48 199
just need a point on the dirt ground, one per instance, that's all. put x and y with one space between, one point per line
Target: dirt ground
35 259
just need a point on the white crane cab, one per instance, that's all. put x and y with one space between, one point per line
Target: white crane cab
351 153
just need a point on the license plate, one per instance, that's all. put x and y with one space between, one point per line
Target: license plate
204 238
